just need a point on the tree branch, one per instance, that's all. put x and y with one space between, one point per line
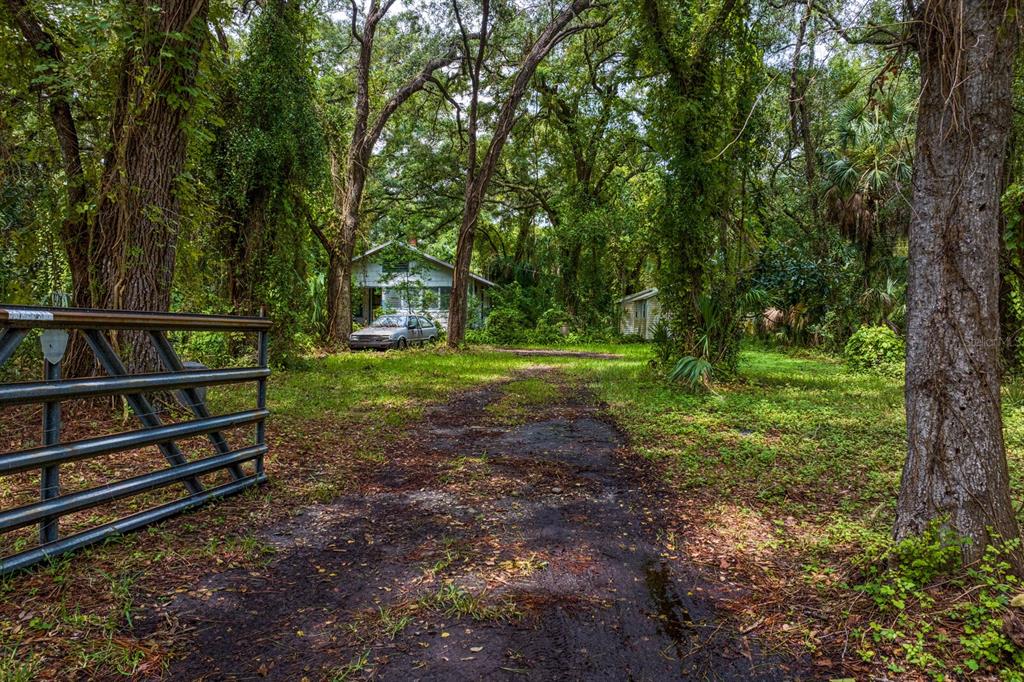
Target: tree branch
407 91
355 16
877 35
45 47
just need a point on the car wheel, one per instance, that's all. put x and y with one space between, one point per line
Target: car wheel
402 344
433 339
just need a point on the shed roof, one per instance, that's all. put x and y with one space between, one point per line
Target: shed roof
421 254
640 295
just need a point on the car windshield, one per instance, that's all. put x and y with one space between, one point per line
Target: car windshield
390 321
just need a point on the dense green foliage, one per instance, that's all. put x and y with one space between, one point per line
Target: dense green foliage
659 147
713 68
506 325
876 348
270 156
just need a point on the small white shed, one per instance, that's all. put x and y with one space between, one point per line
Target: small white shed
639 313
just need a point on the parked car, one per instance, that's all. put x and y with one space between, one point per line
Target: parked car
394 331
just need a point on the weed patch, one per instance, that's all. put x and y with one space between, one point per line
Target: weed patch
453 601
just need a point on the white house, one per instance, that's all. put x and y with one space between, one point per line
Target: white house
398 277
639 313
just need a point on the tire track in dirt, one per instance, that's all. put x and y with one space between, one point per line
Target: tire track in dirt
485 550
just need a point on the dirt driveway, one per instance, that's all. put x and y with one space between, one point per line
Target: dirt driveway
512 536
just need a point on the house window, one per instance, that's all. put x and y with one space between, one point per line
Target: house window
392 300
436 298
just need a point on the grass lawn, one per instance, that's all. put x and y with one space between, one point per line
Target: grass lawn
784 479
788 478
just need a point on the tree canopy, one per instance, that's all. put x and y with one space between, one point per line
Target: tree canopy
730 151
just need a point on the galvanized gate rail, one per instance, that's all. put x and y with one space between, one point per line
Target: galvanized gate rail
16 322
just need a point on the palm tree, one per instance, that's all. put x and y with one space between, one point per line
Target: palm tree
867 171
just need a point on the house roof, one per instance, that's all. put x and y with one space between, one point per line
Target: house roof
640 295
421 254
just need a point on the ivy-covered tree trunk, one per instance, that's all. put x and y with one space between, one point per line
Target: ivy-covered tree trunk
124 256
956 470
139 213
696 118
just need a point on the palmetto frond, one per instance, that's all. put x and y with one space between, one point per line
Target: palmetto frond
841 174
902 171
694 371
876 179
868 164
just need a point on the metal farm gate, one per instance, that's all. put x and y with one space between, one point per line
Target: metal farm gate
188 383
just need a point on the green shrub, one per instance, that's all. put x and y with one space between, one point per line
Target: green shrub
506 325
477 336
214 349
876 348
549 327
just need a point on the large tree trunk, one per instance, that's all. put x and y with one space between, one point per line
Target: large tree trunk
348 186
478 180
342 250
336 311
956 469
1009 325
339 308
458 308
140 211
125 258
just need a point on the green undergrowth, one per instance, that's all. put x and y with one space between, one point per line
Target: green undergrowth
804 435
934 616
